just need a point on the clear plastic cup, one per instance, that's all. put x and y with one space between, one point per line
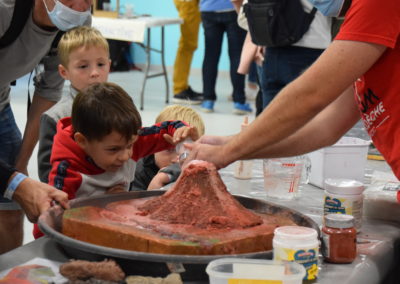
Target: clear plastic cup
182 152
282 176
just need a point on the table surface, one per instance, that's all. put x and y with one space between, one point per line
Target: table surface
130 29
378 241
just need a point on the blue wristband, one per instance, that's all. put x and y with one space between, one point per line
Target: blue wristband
12 186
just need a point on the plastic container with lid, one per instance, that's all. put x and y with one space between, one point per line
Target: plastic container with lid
299 244
339 238
344 196
246 271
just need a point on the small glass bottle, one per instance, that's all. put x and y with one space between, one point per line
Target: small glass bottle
339 238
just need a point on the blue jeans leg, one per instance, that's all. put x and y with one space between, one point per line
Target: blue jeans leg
281 66
10 143
215 25
213 35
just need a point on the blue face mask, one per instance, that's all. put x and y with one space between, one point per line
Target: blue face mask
329 8
66 18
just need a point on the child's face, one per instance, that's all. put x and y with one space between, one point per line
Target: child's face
86 66
110 153
166 158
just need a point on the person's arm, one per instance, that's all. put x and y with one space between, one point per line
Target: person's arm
237 4
333 72
48 90
31 132
323 130
34 197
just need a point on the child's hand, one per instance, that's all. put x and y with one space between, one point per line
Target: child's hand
116 189
159 180
181 134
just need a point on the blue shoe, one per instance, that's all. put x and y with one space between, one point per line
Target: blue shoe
207 106
241 108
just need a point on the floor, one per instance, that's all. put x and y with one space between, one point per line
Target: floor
221 122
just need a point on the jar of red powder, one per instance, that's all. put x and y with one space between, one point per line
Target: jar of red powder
339 238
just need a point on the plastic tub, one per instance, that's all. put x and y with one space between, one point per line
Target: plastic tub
345 159
231 270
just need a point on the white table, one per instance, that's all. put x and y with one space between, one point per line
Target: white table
135 30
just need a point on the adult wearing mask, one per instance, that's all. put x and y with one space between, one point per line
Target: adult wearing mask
46 18
357 75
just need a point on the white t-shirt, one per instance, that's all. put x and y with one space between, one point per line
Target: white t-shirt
319 33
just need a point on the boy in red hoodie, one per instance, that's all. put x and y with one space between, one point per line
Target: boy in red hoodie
95 151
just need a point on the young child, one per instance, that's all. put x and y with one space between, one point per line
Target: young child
161 168
84 60
95 151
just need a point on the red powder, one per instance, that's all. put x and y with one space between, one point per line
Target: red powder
200 198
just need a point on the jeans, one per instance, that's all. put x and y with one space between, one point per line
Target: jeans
10 143
252 76
215 25
281 66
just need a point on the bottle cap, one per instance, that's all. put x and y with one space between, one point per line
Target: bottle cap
296 232
343 186
339 221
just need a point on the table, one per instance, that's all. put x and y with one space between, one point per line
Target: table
378 243
134 30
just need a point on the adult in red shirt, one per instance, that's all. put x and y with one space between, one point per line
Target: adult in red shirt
318 108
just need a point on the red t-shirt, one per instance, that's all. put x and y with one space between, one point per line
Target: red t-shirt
377 93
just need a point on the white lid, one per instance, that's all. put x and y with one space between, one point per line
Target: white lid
296 232
224 269
343 186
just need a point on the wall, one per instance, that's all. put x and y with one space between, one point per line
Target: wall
166 8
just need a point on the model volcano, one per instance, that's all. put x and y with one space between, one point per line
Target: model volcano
195 216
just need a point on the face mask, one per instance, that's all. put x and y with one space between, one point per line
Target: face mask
329 8
66 18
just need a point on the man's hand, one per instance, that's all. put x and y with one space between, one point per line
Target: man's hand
35 197
205 152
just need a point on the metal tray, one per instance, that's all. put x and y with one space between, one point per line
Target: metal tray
192 267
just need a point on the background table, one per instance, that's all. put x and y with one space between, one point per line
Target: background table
135 30
378 243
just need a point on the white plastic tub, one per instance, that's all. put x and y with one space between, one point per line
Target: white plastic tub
231 270
345 159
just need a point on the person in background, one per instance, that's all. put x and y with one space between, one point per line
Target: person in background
84 60
282 65
96 149
162 168
356 76
20 57
188 11
33 196
219 17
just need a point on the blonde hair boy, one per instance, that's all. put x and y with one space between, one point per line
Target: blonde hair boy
155 171
84 60
77 38
184 113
